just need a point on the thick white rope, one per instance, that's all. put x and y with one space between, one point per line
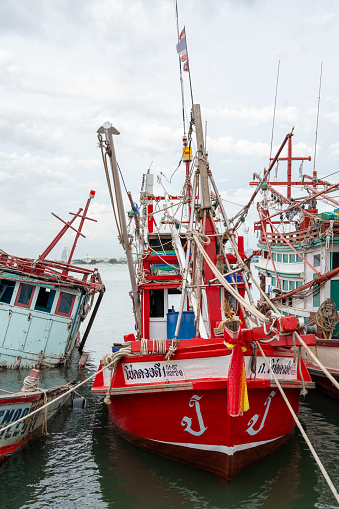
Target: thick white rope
30 384
298 423
223 281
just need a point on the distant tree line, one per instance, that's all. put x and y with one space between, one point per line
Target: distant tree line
94 261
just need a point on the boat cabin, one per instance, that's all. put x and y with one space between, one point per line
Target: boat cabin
37 317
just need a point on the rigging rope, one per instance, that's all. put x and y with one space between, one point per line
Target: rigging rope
196 237
315 455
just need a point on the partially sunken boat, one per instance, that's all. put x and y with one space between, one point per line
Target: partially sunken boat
204 377
25 414
299 255
43 303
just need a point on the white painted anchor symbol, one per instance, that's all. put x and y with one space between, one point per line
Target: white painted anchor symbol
188 421
255 417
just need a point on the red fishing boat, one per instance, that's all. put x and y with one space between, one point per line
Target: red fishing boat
205 378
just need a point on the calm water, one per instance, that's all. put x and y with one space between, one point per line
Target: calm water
85 463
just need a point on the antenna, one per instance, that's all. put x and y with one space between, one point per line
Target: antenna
275 104
316 131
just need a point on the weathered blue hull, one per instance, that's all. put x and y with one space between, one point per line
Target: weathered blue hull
42 330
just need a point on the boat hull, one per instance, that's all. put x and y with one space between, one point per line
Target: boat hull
17 405
322 382
193 427
214 461
327 352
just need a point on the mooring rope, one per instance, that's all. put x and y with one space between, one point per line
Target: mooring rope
73 389
298 423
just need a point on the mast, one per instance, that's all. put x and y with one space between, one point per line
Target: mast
206 196
68 225
83 217
109 130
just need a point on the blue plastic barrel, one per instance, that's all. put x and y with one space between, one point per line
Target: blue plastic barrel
116 347
187 326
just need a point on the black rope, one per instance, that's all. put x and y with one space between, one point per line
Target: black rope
180 71
274 109
329 175
316 130
122 178
176 169
189 71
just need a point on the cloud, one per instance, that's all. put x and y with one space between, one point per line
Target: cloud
66 67
321 20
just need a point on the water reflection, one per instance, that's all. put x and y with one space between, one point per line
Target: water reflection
141 479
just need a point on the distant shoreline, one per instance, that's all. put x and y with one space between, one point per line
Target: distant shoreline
98 262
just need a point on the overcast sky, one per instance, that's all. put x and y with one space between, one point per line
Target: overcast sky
67 66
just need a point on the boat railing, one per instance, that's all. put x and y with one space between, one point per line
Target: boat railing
310 234
52 270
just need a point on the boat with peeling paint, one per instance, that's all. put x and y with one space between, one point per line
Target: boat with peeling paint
43 303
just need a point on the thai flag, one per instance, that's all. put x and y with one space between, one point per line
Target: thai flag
181 46
182 50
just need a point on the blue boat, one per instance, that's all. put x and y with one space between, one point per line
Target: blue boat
43 303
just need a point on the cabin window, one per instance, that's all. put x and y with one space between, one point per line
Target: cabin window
316 260
65 304
274 256
285 258
292 258
279 257
273 281
285 285
316 294
45 300
25 295
335 260
174 297
292 285
299 284
156 303
6 290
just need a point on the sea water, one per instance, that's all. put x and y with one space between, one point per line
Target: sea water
84 463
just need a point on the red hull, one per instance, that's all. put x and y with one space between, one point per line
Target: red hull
216 462
178 408
225 447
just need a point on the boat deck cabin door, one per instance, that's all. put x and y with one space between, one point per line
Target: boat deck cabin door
161 302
